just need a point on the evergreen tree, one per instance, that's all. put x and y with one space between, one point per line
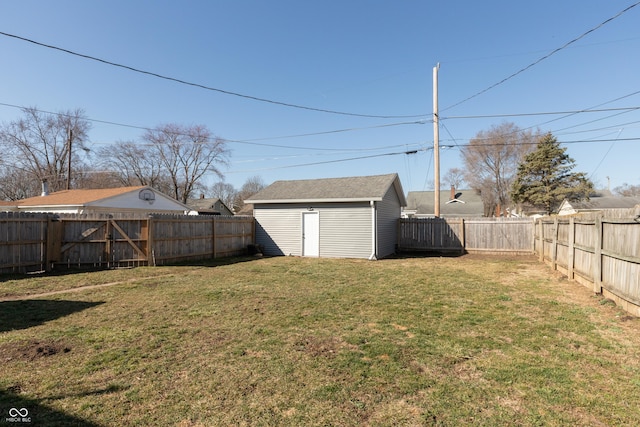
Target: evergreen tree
544 179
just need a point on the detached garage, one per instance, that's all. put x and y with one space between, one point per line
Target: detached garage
353 217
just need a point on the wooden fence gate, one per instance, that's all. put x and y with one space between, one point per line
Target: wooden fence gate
98 241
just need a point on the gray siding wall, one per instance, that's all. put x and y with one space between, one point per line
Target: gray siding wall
279 229
389 211
345 229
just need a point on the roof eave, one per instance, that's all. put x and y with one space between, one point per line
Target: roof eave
76 206
338 200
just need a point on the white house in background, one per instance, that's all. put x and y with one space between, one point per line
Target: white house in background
141 199
598 202
353 217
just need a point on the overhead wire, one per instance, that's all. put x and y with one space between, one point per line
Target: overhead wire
566 114
426 149
242 141
541 113
539 60
205 87
333 161
417 122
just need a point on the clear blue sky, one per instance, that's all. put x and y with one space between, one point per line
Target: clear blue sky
365 57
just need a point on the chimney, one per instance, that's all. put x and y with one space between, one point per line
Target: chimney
453 192
45 188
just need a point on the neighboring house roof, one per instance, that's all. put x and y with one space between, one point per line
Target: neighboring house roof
246 210
209 206
353 189
597 203
122 198
76 197
467 204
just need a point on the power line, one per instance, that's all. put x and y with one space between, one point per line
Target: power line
615 126
426 149
418 122
334 161
240 141
545 113
553 52
590 108
67 115
571 113
577 141
605 156
209 88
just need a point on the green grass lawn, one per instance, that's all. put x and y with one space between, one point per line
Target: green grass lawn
295 341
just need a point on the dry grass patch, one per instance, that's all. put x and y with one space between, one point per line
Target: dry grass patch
294 341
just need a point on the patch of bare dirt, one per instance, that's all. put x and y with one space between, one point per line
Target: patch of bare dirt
32 350
315 346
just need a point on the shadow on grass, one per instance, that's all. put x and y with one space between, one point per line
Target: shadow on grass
23 314
454 253
18 410
216 262
63 271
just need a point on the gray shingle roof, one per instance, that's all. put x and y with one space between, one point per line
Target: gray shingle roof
606 202
423 203
359 188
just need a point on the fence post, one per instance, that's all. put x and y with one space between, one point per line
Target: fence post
463 240
597 266
150 251
570 255
541 238
554 249
213 236
108 237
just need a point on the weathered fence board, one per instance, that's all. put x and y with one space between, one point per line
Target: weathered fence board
499 235
601 253
36 242
430 234
23 242
457 235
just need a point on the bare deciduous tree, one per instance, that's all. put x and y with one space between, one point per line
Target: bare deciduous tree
186 154
17 184
627 190
251 186
88 177
136 164
170 158
38 145
454 177
491 162
225 192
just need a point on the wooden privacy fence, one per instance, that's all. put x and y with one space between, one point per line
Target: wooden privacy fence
458 235
601 253
36 242
23 242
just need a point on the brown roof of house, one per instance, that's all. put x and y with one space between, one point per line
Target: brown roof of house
75 197
330 189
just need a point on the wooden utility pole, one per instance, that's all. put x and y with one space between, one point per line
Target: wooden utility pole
69 161
436 145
